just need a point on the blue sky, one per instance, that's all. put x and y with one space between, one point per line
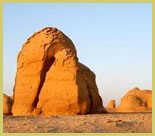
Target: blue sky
113 40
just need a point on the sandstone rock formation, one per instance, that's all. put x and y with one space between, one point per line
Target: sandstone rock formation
7 104
111 104
136 100
51 81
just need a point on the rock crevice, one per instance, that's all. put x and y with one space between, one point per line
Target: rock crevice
46 66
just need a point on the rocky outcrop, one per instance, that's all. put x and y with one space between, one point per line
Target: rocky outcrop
7 104
136 100
111 104
51 81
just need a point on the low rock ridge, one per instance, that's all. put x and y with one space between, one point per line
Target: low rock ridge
136 100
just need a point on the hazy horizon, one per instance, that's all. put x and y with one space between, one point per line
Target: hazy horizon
113 40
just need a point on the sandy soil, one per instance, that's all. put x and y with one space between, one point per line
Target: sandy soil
96 123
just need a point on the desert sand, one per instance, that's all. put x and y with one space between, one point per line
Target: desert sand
91 123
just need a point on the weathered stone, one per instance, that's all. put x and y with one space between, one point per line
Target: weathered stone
7 104
136 100
50 78
111 104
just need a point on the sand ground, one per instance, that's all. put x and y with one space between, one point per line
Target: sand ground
94 123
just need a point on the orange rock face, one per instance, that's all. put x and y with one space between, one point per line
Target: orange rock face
112 104
136 100
7 104
51 81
